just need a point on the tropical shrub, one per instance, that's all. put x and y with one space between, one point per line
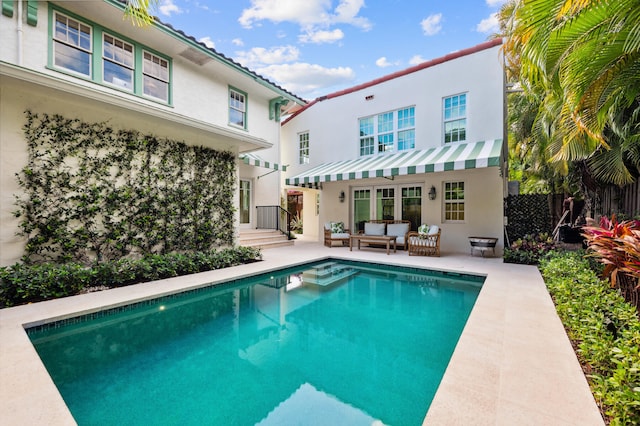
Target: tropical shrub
605 331
529 249
617 245
21 283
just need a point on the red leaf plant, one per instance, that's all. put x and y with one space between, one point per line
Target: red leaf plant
617 244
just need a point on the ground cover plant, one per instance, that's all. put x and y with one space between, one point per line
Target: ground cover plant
605 331
22 283
529 249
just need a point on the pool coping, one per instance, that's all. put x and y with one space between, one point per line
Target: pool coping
513 363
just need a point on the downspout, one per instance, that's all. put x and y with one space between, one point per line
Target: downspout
19 32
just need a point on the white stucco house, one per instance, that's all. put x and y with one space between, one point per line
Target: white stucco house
424 144
82 60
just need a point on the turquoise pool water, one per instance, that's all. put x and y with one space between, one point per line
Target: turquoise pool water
327 343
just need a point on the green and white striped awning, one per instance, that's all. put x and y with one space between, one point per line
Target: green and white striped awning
256 160
459 156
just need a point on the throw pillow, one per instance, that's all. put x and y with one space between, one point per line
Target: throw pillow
337 227
423 229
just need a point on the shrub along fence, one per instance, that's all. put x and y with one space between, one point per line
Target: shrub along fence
90 192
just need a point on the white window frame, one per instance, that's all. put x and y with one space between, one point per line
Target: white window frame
454 208
303 146
237 104
123 56
454 114
155 68
67 42
389 131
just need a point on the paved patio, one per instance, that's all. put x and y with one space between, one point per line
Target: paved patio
513 365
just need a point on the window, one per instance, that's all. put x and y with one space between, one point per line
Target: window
72 45
454 201
366 136
111 61
118 58
303 139
237 108
455 118
387 132
155 78
406 129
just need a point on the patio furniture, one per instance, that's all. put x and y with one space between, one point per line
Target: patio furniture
389 227
335 231
373 239
483 244
424 244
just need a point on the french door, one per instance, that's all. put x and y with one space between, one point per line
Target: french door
389 202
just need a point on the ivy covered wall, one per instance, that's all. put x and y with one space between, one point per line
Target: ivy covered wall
91 192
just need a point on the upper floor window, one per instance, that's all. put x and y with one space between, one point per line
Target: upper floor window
112 60
303 140
455 118
237 108
118 62
388 132
72 45
454 201
155 80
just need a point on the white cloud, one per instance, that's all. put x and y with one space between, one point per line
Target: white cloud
489 25
307 80
431 25
321 36
207 42
495 3
260 56
383 62
307 14
237 42
416 59
167 8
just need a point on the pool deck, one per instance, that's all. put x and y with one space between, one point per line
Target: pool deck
513 364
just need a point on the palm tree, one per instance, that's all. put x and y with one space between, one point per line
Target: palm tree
139 11
583 58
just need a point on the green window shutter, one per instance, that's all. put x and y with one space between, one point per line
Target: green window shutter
7 8
32 12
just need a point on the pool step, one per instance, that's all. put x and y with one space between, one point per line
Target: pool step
327 274
263 238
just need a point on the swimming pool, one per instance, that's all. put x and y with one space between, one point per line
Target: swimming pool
324 343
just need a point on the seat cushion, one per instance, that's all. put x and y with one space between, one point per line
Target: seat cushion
339 235
398 230
374 228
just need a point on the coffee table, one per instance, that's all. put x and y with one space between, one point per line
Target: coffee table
373 239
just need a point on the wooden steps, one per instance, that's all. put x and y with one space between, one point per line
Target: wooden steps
263 238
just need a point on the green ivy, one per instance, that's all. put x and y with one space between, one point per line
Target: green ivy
605 330
91 192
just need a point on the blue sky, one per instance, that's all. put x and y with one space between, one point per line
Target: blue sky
316 47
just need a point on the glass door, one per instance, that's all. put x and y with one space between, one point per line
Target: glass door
245 202
361 208
386 203
412 205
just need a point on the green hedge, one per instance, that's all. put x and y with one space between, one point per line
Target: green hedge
20 283
605 330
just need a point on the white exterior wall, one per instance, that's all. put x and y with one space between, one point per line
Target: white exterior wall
334 136
197 115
